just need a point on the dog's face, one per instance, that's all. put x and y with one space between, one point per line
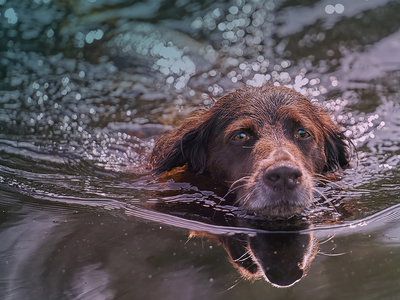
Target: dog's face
264 143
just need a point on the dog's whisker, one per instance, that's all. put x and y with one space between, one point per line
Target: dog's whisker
321 193
238 200
245 196
327 240
243 257
320 175
322 178
244 178
332 254
236 187
235 283
319 181
248 196
327 181
326 199
232 190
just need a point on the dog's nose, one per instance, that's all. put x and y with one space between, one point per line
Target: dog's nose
282 176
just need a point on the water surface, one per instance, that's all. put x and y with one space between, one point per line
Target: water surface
86 87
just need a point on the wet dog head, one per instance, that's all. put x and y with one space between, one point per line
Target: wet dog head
265 143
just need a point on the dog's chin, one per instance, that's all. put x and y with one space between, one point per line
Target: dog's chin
277 204
276 212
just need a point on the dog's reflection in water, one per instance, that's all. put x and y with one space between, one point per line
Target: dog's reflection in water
278 251
280 258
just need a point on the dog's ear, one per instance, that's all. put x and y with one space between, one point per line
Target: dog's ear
337 149
184 144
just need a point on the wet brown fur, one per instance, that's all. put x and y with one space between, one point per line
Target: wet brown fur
270 116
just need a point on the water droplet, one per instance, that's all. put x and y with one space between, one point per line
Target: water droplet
329 9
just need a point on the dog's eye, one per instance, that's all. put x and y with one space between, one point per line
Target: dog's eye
302 134
241 137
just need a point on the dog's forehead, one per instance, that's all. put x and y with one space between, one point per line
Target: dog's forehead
275 99
258 108
267 99
272 106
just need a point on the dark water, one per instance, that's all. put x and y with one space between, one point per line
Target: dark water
86 86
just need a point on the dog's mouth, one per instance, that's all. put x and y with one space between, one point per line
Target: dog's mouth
276 204
280 191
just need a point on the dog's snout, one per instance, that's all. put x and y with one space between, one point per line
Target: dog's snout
282 176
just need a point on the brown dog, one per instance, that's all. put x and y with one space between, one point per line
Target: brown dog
264 143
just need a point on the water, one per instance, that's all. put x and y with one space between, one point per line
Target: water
86 86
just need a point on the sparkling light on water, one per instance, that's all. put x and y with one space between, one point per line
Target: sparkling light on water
338 8
11 16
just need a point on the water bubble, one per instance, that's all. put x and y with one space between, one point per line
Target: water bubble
11 15
329 9
270 6
50 33
79 35
256 67
285 63
98 34
233 10
217 12
246 9
242 66
170 80
197 24
339 8
222 26
65 81
240 33
94 35
330 53
90 37
179 85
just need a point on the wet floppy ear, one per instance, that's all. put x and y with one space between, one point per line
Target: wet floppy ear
337 149
185 144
